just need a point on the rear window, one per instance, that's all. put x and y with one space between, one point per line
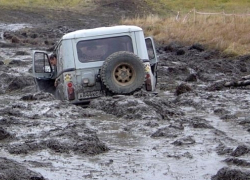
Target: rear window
100 49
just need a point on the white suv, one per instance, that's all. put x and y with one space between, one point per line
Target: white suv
95 62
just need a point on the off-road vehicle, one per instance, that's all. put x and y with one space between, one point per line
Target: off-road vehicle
95 62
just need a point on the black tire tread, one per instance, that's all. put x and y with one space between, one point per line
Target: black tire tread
106 64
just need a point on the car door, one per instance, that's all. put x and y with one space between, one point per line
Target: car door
41 66
42 71
152 56
151 50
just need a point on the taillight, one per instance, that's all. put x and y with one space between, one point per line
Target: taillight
71 91
70 84
148 82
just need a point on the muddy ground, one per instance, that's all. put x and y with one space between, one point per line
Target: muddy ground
192 128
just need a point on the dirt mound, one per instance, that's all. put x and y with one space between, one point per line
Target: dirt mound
237 162
88 144
168 132
182 88
10 169
3 68
4 134
15 82
126 7
18 82
38 96
223 149
129 107
240 150
227 173
197 122
184 141
198 65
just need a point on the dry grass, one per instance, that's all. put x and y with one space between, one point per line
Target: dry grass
204 5
230 34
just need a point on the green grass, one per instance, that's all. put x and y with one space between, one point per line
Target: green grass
53 4
163 6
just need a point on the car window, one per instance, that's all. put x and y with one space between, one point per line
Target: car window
41 63
100 49
150 48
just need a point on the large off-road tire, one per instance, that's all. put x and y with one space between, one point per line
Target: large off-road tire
123 73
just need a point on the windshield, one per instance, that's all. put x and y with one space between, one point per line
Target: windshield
100 49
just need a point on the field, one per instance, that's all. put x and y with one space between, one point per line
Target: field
193 127
207 5
218 24
157 5
68 4
227 30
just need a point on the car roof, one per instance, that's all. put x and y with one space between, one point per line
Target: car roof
101 31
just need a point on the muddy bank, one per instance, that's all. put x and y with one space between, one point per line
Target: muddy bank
10 169
75 136
196 128
226 173
56 23
13 78
186 124
129 107
192 127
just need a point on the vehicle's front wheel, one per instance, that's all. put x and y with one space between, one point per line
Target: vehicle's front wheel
123 72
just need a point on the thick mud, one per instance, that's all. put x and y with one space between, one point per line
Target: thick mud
192 127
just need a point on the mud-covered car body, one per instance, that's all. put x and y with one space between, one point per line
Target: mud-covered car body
94 62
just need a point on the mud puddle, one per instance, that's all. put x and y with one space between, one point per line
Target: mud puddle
192 135
137 155
11 27
133 154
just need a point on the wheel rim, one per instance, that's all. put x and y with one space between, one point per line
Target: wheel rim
124 74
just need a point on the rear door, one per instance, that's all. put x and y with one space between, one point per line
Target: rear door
41 66
152 58
151 50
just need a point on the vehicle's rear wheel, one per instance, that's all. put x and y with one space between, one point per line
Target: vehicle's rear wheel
123 72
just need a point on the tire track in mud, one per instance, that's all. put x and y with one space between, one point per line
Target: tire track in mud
194 129
36 130
190 136
223 115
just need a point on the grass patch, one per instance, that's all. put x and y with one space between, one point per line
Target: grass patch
162 6
226 33
229 34
52 4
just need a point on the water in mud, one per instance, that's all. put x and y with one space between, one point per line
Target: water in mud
201 133
11 27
